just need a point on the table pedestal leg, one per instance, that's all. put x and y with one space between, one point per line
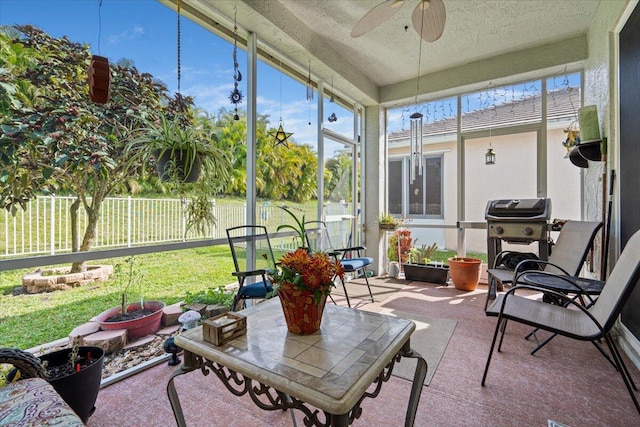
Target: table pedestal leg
418 383
173 396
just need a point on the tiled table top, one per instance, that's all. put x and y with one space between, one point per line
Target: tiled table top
330 369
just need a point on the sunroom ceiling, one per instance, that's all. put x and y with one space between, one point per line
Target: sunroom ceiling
483 40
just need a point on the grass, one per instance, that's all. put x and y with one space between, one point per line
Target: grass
30 320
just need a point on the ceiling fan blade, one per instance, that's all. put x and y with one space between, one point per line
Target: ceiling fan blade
430 24
376 16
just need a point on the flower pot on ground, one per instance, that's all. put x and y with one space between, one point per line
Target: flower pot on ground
394 269
77 381
465 272
426 273
139 320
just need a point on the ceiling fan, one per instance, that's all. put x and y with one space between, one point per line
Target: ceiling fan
428 18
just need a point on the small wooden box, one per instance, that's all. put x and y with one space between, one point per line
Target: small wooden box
223 328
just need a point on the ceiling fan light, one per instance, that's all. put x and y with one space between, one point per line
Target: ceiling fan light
424 5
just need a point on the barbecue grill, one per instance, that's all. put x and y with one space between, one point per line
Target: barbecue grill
521 221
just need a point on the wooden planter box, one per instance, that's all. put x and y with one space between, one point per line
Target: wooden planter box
426 273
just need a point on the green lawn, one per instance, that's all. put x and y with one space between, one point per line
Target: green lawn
29 320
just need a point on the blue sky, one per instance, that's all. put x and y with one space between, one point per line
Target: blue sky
144 31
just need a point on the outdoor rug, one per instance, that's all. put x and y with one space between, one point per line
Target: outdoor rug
430 339
380 288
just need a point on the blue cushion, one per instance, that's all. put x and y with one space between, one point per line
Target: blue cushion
353 264
255 290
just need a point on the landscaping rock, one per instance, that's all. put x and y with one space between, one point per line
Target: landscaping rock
60 279
84 330
169 330
109 341
196 306
139 342
170 314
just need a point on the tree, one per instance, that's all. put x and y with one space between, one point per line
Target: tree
61 141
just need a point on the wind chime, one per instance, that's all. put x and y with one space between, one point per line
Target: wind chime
416 133
236 94
99 74
280 136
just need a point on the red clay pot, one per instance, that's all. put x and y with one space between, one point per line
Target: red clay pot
465 273
136 328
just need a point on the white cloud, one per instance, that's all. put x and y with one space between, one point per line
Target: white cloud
126 35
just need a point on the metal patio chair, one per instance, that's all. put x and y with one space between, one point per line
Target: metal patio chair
252 240
352 258
573 320
567 258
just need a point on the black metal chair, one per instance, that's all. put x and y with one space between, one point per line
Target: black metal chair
352 258
568 256
573 320
250 246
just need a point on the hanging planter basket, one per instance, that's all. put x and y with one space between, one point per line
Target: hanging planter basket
178 165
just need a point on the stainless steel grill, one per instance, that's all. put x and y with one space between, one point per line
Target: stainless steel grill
520 221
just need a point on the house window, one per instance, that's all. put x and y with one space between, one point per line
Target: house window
423 197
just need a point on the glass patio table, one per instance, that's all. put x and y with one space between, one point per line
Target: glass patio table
331 371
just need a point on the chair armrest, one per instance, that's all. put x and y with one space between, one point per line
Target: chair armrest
352 249
571 280
560 295
249 273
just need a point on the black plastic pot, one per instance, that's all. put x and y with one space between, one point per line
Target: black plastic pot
79 389
426 273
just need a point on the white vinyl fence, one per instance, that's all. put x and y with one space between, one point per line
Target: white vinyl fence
44 227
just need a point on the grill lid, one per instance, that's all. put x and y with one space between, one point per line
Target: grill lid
518 208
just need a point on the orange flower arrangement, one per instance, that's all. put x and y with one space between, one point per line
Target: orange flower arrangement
305 271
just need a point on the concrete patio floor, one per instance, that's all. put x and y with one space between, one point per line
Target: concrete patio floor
567 381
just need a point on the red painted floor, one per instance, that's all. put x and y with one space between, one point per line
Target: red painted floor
566 381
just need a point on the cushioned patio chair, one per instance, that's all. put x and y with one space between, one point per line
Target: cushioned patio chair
574 320
568 256
253 284
352 258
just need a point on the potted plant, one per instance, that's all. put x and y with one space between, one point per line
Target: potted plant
139 318
388 222
299 227
420 269
303 281
465 272
75 373
180 147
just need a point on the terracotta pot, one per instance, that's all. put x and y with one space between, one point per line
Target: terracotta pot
136 328
465 273
301 312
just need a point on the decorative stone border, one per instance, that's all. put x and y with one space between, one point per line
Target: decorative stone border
60 279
